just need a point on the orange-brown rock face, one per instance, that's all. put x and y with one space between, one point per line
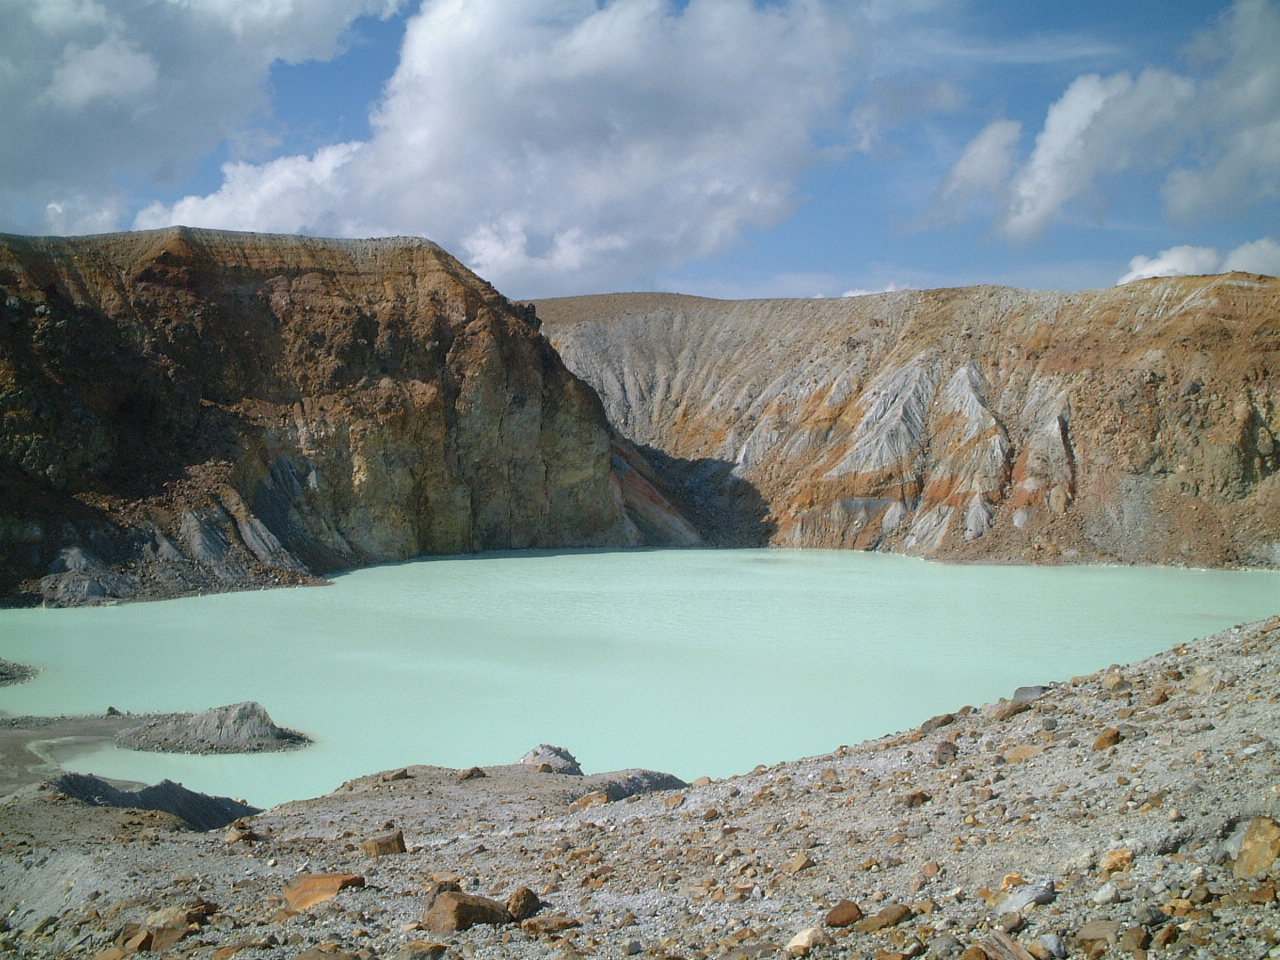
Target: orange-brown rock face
189 409
1136 423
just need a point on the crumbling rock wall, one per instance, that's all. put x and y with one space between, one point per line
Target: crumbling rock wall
1137 423
186 410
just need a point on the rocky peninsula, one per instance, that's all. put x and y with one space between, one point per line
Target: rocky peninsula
1130 813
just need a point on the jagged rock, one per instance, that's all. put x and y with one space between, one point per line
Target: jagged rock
523 903
237 728
200 811
384 844
452 911
1259 850
556 759
548 925
309 889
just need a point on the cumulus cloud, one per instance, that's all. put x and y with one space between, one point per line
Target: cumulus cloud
93 92
1217 137
562 145
1260 256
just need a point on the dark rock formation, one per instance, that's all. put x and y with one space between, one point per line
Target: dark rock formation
192 410
199 810
1136 423
11 672
237 728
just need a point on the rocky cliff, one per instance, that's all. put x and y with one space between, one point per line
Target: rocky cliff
188 410
1136 423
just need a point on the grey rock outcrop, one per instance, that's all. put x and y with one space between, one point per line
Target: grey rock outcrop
555 759
236 728
200 811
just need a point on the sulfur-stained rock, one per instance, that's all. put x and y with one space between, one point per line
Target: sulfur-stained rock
1259 850
523 903
385 844
976 423
1107 738
890 916
309 889
547 925
339 403
1113 861
593 799
452 911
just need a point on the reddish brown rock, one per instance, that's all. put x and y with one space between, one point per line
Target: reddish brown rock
311 888
1259 850
523 904
384 844
548 925
381 372
890 916
451 911
1107 738
592 799
844 914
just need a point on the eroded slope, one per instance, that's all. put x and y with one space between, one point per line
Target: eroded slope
189 409
1137 422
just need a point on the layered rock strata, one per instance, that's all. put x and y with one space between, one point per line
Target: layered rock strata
1136 423
185 410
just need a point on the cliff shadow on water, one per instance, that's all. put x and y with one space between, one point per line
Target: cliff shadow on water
726 509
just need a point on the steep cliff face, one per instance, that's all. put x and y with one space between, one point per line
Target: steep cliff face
1135 423
189 409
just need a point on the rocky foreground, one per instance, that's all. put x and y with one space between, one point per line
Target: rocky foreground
1122 814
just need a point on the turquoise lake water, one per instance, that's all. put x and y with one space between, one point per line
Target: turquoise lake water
693 662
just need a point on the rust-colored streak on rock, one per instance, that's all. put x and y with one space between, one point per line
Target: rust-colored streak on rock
191 410
1137 423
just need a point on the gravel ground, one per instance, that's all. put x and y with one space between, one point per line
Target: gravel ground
1101 817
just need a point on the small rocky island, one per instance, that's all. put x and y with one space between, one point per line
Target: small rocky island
237 728
1131 813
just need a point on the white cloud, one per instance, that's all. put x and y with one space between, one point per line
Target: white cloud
983 168
887 288
563 145
1238 113
114 71
1227 121
96 92
1260 256
1100 127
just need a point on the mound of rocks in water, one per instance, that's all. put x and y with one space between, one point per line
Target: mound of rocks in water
199 810
11 672
236 728
548 759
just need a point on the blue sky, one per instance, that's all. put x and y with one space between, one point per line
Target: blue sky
729 148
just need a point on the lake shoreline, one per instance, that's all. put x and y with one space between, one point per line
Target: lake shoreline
1106 814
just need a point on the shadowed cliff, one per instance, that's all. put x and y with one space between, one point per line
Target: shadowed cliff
1136 423
186 410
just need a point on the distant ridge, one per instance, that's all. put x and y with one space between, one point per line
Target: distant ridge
1136 423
